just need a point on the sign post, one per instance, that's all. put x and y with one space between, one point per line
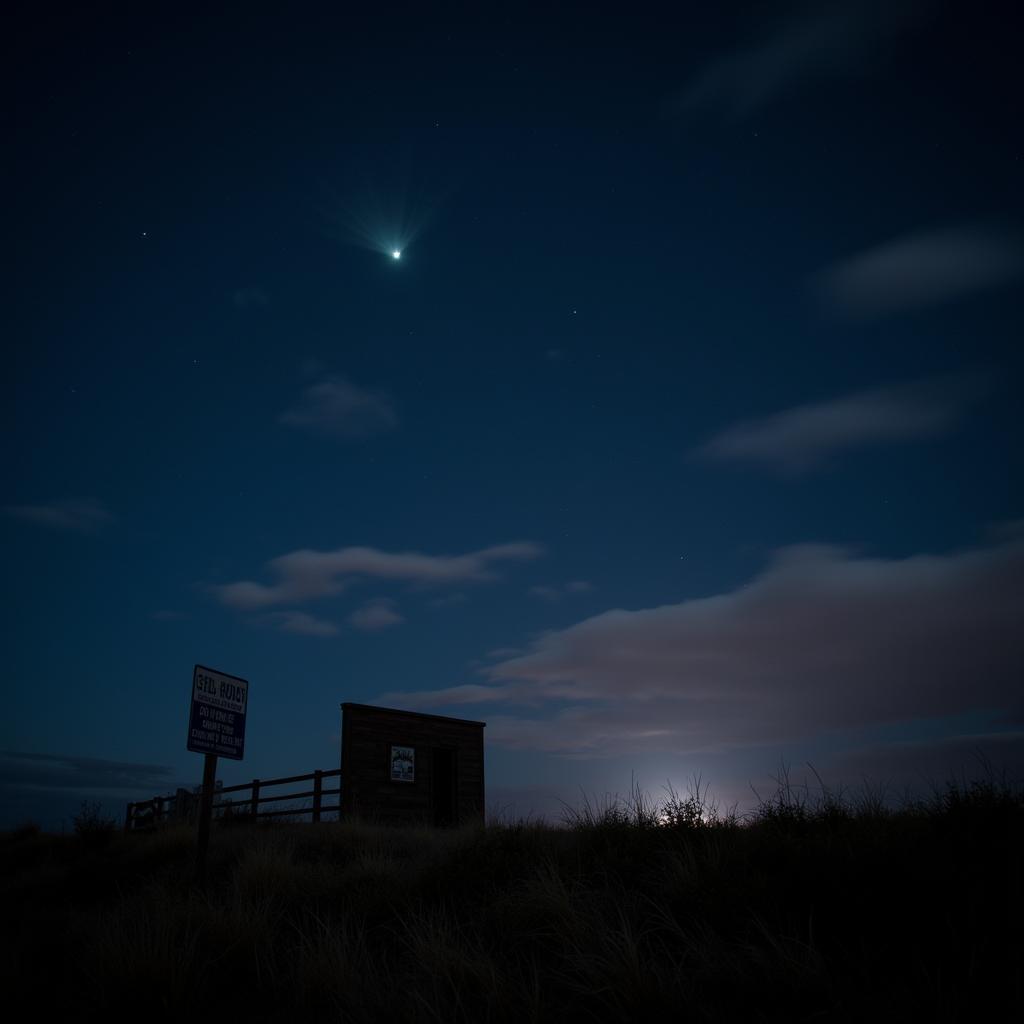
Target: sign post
205 813
216 728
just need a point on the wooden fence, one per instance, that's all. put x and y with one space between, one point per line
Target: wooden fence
162 810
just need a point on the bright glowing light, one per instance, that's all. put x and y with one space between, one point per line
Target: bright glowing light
386 220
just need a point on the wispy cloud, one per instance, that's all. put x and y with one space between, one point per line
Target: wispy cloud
823 40
306 575
924 269
800 438
79 515
821 639
51 771
376 615
336 408
504 652
555 592
302 624
168 615
249 297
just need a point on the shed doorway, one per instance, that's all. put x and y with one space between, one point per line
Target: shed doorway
442 790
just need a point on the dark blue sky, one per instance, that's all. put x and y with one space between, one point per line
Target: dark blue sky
684 436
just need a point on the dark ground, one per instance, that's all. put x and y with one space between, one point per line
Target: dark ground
810 910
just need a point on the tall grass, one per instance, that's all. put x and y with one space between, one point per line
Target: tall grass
819 905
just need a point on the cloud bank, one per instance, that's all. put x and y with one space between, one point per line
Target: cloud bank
803 437
820 640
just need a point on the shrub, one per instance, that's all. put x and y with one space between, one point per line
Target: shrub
697 809
26 830
92 826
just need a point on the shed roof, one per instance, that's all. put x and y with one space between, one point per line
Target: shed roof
345 705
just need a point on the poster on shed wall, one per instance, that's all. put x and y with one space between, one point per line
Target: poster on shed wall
403 764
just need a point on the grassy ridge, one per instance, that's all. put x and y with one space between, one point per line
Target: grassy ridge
824 910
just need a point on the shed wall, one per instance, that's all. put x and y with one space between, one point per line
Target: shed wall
368 791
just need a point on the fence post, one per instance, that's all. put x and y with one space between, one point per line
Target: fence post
128 817
182 805
255 799
318 783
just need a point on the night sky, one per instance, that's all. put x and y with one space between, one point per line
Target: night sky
684 435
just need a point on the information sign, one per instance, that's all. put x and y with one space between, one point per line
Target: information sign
217 722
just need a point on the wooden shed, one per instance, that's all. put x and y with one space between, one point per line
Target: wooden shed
403 767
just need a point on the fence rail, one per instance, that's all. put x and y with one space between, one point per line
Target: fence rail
182 806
